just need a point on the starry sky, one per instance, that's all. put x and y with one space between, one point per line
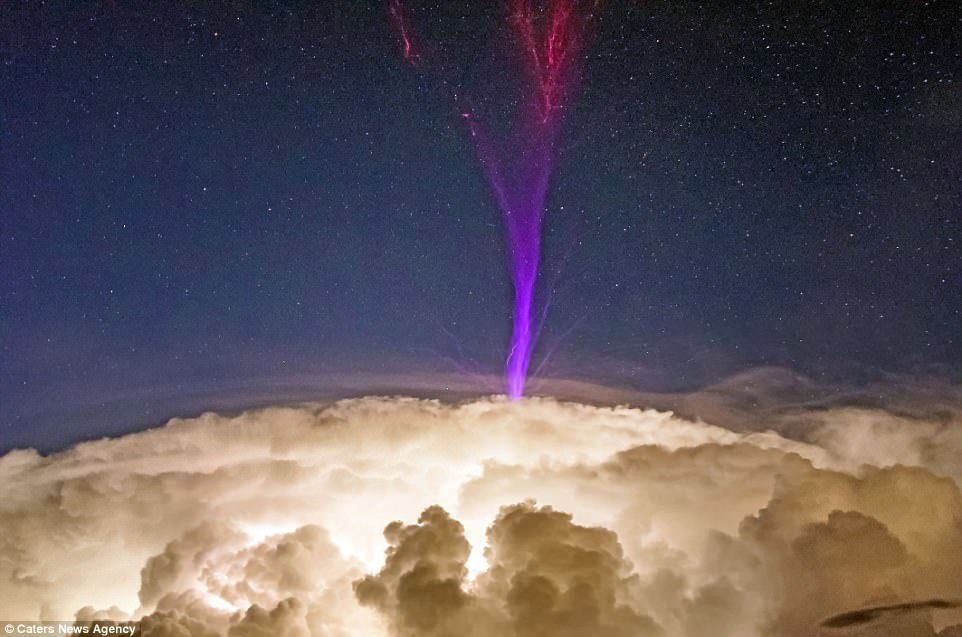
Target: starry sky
206 202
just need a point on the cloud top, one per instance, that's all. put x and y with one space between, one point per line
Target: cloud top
410 518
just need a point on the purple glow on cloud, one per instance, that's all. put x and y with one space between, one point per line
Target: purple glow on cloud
549 33
521 195
520 180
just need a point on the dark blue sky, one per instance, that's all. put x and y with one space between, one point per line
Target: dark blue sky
201 198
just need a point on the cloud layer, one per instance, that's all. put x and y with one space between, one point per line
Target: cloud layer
404 517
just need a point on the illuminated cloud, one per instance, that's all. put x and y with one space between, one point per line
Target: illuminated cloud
393 516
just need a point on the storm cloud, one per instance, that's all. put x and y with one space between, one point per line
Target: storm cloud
405 517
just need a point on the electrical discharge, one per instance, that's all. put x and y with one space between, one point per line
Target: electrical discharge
550 35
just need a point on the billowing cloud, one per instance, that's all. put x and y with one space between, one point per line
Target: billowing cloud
403 518
546 576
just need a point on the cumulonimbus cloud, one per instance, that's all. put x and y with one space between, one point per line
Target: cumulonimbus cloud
404 517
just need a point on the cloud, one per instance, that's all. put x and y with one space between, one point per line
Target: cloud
404 517
546 575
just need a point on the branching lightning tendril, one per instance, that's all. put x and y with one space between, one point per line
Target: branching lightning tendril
396 9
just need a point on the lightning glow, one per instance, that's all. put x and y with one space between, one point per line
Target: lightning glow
549 35
551 38
310 520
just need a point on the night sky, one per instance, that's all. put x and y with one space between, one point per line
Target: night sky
206 202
